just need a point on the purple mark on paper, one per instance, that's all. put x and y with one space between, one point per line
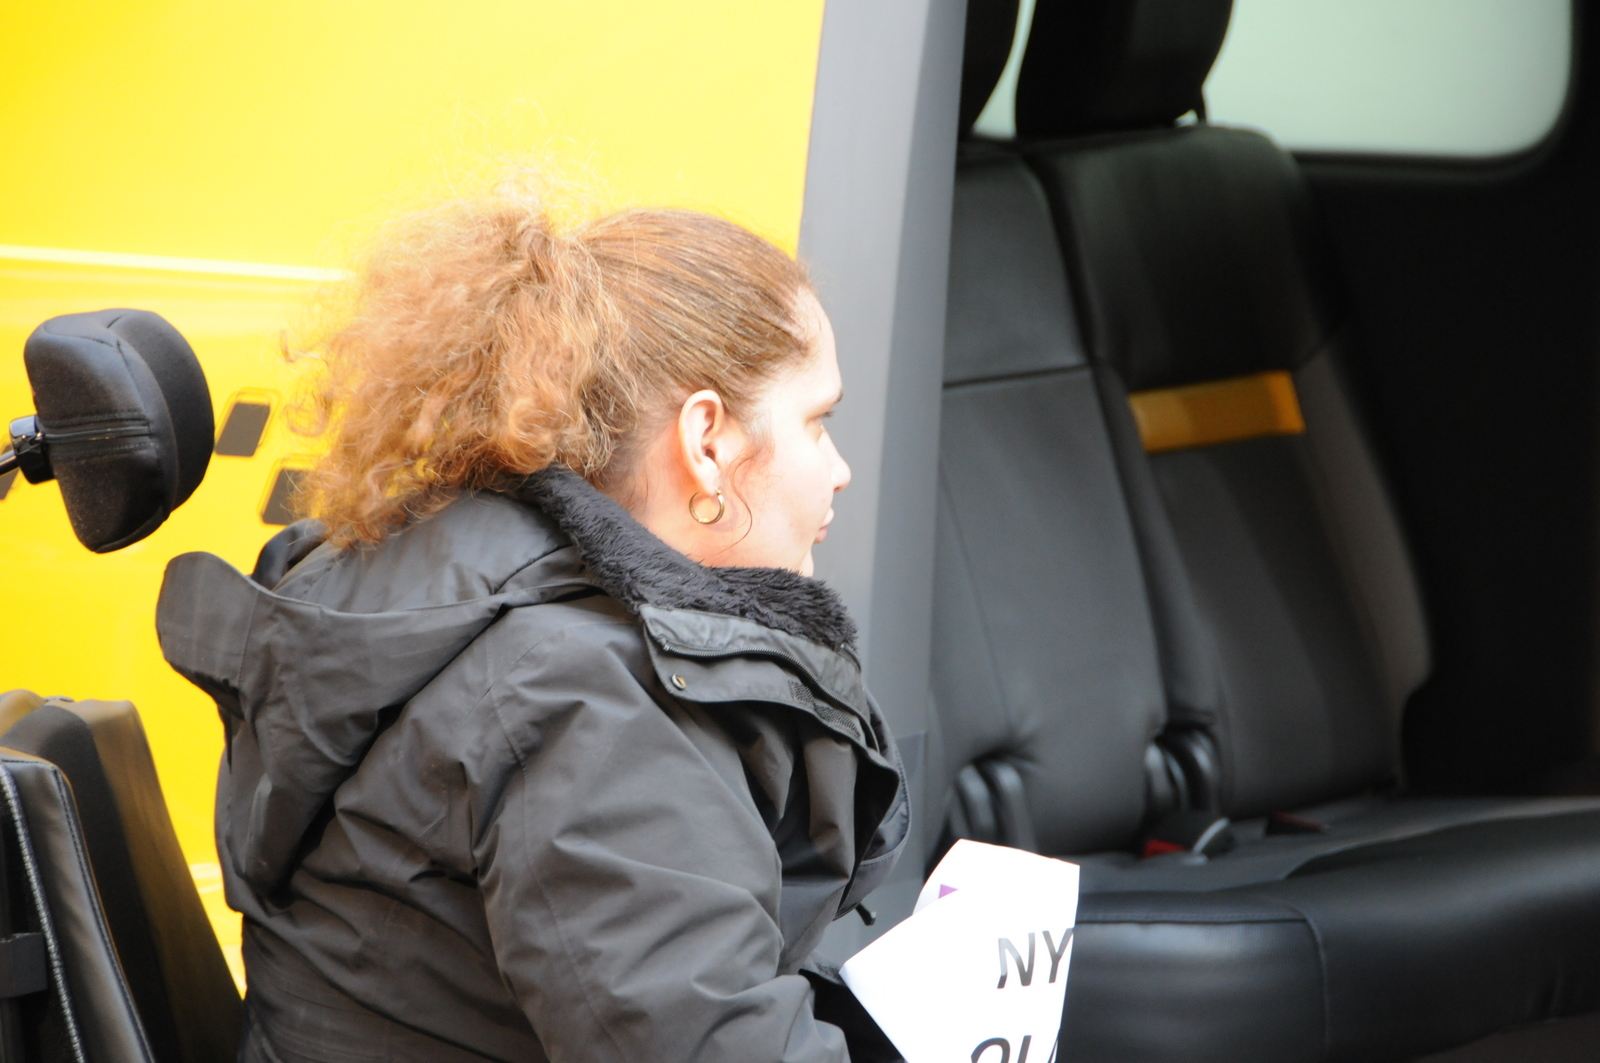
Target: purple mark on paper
945 891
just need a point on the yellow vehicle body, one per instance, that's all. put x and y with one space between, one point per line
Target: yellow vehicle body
212 162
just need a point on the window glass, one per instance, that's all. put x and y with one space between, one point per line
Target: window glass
998 118
1429 77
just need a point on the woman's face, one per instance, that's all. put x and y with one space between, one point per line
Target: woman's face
787 489
778 496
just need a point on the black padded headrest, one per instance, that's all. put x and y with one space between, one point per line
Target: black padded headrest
1197 254
991 27
126 417
1101 65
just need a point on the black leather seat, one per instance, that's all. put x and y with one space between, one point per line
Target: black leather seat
75 1006
1212 608
181 987
105 949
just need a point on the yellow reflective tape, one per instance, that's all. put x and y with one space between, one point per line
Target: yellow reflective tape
1219 411
166 263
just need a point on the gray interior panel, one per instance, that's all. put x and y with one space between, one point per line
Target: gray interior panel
875 233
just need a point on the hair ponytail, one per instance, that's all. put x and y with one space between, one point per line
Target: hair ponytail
481 343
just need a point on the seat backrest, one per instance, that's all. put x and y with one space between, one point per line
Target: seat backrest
185 996
1044 655
1288 610
86 1013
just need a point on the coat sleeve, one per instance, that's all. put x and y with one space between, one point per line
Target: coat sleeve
631 887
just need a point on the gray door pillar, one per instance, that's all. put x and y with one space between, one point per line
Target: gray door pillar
876 234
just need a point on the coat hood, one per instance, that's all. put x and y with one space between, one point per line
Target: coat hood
305 684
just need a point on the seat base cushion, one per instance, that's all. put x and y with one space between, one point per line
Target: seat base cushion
1410 929
1557 1041
1350 824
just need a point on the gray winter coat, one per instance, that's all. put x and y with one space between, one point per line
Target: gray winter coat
524 783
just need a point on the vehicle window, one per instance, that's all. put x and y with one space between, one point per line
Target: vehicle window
998 119
1467 78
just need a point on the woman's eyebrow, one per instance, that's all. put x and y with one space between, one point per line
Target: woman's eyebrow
822 408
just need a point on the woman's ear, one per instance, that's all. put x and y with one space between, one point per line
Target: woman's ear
708 440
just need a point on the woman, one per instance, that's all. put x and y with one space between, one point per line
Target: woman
552 749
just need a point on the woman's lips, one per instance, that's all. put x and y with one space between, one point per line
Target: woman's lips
822 532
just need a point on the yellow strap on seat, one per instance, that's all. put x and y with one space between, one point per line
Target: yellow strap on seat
1219 411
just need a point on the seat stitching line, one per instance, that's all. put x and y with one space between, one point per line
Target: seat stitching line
988 638
1322 967
59 780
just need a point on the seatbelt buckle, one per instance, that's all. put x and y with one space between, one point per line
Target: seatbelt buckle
1190 831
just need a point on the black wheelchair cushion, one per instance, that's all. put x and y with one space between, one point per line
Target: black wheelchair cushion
127 420
181 989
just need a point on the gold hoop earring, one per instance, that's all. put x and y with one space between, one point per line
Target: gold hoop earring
722 507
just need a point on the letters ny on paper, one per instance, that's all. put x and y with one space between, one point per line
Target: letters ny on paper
978 974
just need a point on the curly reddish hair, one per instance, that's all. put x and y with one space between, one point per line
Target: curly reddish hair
481 343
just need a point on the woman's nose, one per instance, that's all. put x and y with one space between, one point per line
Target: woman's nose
841 468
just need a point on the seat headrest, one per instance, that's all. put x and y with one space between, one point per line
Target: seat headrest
126 418
1104 65
991 25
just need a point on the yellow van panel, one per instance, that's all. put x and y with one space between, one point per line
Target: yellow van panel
251 130
208 162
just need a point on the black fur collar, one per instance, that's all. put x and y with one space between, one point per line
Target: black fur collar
636 568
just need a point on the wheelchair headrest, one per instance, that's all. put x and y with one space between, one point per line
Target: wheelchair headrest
123 421
1103 65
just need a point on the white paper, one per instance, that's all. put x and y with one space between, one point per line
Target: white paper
976 866
978 973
